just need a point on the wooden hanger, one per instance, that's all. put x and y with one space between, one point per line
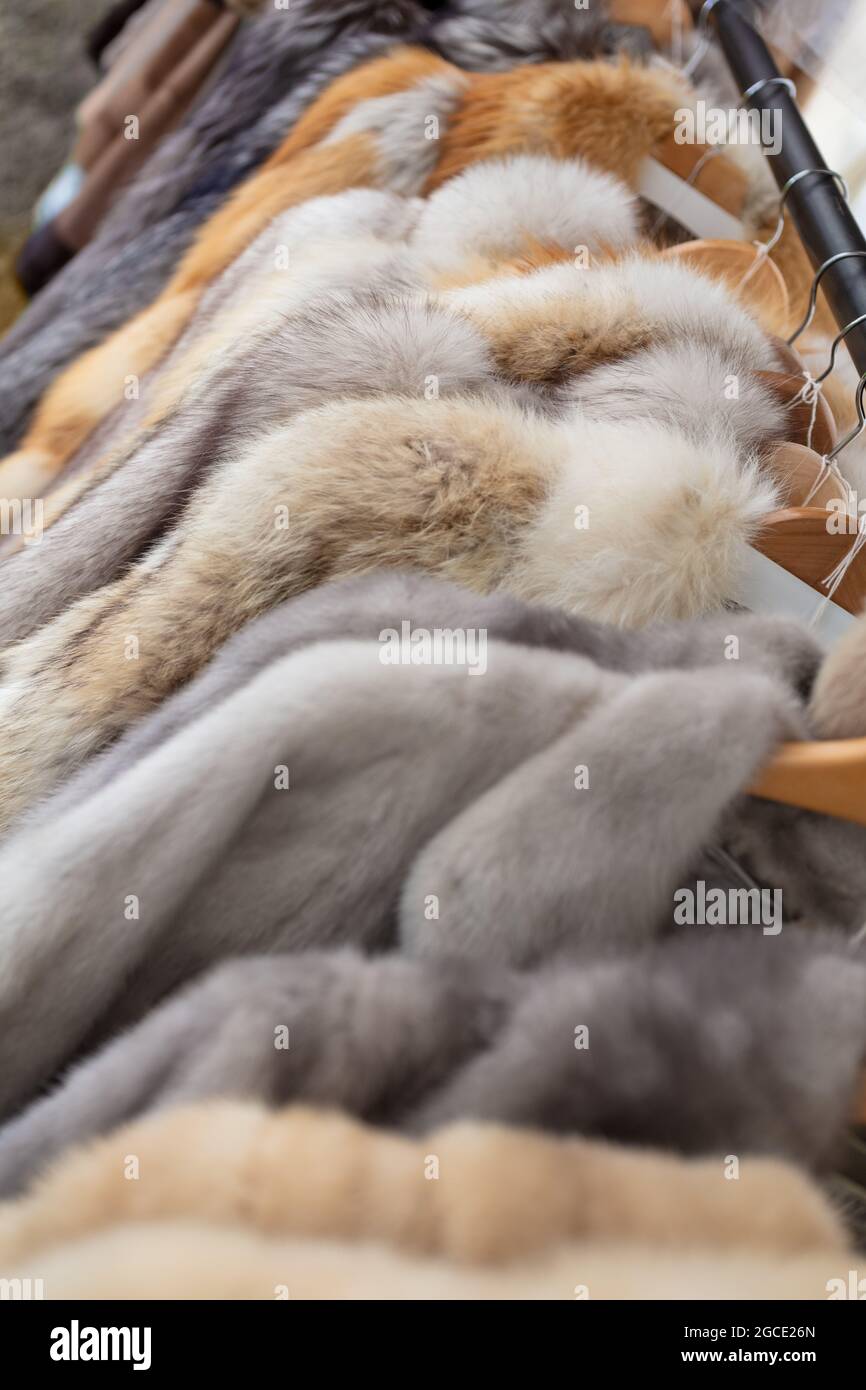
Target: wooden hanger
804 422
827 776
799 472
789 359
820 434
802 541
748 273
798 539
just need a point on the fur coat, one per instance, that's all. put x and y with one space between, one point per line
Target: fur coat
454 1210
191 871
455 454
278 334
364 240
434 378
133 839
279 64
478 492
626 1049
370 128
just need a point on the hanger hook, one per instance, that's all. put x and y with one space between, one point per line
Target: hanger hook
704 16
836 341
813 293
769 82
767 247
703 37
858 428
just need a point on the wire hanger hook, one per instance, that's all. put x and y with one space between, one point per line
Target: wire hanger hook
813 293
783 196
836 341
769 82
858 428
704 38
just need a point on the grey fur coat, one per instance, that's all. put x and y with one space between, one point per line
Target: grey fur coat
304 794
733 1045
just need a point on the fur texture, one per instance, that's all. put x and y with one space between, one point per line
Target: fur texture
817 863
299 363
278 347
548 326
838 700
501 1194
360 609
611 114
772 1030
687 385
334 244
378 114
827 884
342 722
337 245
291 429
543 327
493 208
190 1259
481 492
485 37
277 67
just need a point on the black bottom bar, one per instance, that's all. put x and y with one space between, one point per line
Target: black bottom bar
260 1339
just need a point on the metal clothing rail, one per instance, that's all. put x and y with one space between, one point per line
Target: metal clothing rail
815 202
